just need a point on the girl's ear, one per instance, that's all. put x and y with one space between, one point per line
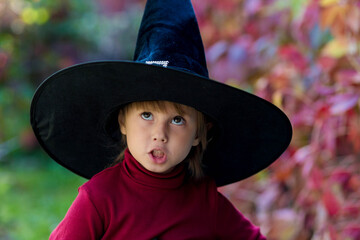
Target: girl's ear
121 124
196 142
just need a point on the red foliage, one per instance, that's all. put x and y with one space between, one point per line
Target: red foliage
307 63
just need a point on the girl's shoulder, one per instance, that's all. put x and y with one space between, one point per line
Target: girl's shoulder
205 186
104 181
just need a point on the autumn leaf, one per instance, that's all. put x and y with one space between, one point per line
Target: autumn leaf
351 210
353 131
332 14
347 77
316 179
352 231
336 48
293 55
342 103
277 99
342 177
326 63
331 203
353 20
326 3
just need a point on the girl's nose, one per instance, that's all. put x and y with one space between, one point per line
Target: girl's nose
160 133
162 139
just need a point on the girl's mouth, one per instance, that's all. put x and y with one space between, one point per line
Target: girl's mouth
158 156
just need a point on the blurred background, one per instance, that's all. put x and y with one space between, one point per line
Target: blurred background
302 55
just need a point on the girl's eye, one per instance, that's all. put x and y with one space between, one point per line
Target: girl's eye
146 116
178 120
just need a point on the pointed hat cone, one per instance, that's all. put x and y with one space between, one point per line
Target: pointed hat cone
170 36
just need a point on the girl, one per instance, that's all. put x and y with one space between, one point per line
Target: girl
181 135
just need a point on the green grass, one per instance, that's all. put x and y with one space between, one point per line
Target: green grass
34 197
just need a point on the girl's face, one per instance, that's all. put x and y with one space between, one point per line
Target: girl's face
159 139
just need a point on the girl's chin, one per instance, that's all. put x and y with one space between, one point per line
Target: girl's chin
160 170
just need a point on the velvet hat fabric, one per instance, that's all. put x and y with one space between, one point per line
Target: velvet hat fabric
74 111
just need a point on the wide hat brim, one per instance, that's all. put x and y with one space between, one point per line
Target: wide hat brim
71 108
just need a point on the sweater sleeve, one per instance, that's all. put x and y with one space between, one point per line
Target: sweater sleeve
231 224
82 221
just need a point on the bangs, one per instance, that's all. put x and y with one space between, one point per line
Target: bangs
161 106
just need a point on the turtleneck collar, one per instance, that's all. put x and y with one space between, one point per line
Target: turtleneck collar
140 175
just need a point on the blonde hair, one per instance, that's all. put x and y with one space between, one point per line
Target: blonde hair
194 158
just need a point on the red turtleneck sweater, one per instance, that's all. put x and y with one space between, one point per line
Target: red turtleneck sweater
128 202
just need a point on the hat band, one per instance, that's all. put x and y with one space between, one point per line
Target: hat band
161 63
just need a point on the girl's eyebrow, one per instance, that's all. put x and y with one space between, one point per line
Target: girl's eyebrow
153 109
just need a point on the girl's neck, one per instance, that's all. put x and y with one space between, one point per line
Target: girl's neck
140 175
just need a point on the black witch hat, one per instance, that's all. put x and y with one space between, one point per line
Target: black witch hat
71 112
